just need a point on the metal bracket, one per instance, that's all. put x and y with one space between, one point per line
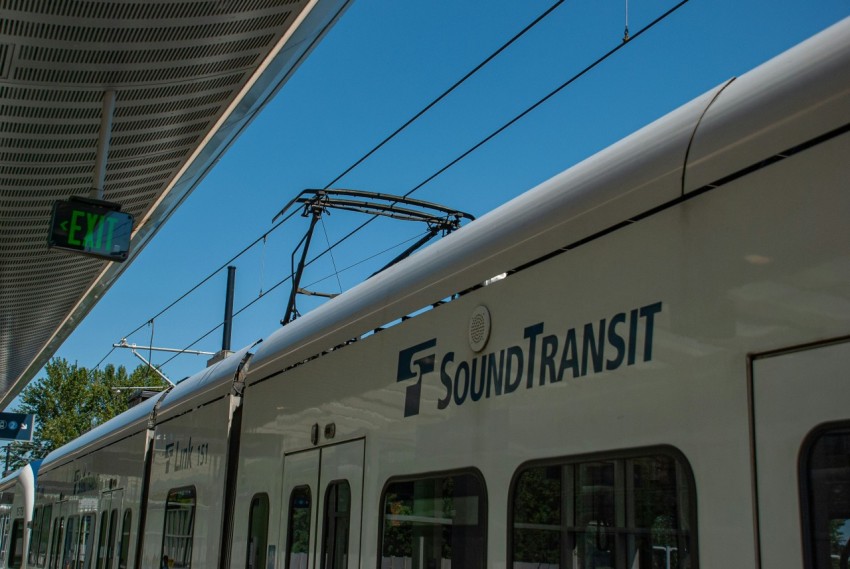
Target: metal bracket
438 218
133 347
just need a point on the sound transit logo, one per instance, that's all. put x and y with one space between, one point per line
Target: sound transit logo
625 338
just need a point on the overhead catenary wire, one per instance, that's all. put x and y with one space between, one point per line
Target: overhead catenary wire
214 273
333 261
445 93
440 171
150 348
357 163
512 121
280 283
478 145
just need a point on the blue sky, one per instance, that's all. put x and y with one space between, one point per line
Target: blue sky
382 62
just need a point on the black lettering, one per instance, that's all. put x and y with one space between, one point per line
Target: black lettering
514 353
633 326
406 362
531 334
547 359
494 374
569 358
593 348
462 369
477 380
649 313
169 452
616 341
446 380
183 457
203 451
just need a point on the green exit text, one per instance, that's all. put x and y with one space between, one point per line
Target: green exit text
91 225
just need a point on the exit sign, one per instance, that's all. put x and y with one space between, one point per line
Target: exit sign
91 227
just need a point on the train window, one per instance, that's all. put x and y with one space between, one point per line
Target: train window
84 545
178 532
40 536
605 512
36 531
298 532
437 521
258 532
16 545
110 540
56 542
101 541
72 539
335 525
4 541
124 547
825 467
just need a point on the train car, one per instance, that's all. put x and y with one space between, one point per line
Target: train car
192 471
90 495
95 493
17 496
639 363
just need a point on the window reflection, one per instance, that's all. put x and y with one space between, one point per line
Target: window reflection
298 534
434 522
625 512
827 471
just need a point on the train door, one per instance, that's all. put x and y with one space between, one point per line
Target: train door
801 429
109 517
323 496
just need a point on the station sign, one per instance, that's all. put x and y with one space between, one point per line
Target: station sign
16 426
91 227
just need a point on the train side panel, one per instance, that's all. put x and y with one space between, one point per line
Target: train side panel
88 507
186 497
635 343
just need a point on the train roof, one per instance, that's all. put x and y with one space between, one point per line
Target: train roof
130 422
11 478
205 386
20 484
797 96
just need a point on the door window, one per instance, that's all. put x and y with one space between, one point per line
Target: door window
4 541
298 532
84 548
179 529
826 487
110 543
336 524
258 531
16 547
56 543
124 547
72 538
101 542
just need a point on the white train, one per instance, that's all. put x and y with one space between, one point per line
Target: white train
17 498
658 380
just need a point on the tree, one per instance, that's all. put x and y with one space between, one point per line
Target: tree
70 400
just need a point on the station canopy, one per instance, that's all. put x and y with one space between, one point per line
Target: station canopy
138 98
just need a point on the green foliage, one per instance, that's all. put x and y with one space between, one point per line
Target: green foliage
70 400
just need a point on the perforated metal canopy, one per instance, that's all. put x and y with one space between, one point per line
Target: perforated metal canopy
187 77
